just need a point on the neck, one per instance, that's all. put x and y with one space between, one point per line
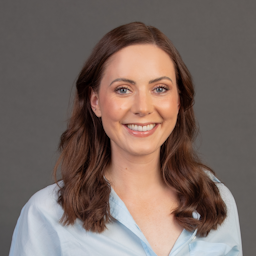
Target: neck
134 174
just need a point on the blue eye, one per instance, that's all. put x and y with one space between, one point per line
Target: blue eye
122 90
161 89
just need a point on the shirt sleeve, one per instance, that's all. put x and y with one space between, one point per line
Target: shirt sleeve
228 233
231 224
34 234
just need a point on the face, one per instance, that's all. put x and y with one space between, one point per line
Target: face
138 99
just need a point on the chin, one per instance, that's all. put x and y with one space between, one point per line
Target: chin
142 151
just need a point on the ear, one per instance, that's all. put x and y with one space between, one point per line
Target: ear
94 100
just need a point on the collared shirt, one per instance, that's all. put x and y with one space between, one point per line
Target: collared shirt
39 233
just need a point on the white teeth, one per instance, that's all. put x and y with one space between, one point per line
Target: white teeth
141 128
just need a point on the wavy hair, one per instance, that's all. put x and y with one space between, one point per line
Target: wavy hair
85 149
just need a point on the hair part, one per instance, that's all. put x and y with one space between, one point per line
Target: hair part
86 152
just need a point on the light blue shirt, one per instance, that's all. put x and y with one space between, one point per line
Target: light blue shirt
39 233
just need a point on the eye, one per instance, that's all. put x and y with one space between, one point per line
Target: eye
161 89
122 90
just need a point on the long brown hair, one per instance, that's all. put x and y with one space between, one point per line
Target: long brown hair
86 152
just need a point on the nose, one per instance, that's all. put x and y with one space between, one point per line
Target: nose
143 104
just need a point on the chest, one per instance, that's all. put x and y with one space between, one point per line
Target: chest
157 224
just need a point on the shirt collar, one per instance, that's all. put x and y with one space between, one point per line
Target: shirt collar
120 212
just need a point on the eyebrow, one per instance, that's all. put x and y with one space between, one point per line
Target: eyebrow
133 82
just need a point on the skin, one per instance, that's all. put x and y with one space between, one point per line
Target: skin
134 172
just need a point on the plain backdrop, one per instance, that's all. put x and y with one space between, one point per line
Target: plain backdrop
43 46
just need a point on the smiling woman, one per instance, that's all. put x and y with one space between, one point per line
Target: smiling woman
146 94
131 181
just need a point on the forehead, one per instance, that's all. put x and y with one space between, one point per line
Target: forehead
138 61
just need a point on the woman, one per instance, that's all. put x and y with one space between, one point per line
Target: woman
131 182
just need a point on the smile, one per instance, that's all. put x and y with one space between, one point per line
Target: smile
140 128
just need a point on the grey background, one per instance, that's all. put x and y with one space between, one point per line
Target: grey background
43 47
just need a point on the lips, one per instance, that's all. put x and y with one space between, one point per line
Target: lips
141 128
133 129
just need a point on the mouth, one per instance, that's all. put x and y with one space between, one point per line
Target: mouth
141 130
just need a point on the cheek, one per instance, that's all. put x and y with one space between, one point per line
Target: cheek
113 111
169 108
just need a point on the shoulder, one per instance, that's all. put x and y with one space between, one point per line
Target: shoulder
45 195
45 202
225 193
229 231
37 229
232 220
